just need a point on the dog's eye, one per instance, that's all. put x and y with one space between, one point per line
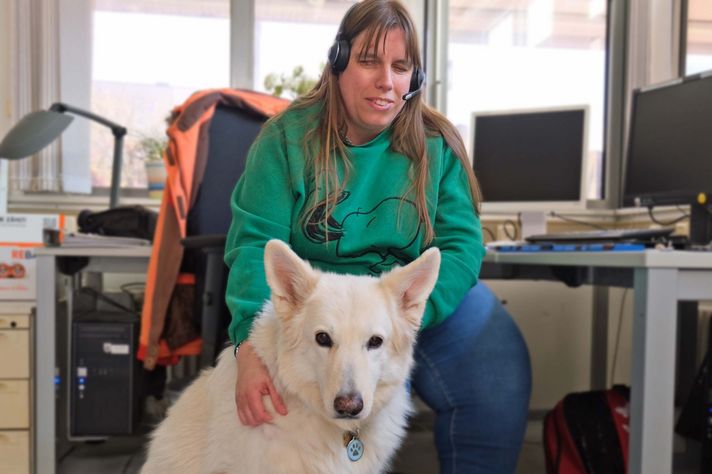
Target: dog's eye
323 339
375 342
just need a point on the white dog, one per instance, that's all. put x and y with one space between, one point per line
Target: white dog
339 349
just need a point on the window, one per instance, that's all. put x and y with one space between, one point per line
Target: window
699 36
505 54
133 61
292 33
148 57
298 33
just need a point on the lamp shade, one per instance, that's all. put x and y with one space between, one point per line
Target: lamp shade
35 131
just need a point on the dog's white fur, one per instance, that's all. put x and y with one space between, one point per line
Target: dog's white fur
202 433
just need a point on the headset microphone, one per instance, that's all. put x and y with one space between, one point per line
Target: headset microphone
409 95
417 79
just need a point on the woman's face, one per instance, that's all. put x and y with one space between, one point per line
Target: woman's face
372 87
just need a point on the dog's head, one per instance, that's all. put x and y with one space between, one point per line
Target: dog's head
346 342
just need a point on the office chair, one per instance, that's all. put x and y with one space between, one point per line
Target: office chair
232 131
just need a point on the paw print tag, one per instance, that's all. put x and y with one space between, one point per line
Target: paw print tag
354 449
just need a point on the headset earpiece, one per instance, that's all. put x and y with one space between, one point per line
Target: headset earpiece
416 80
339 55
416 83
340 51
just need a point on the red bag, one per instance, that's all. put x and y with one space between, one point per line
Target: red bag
587 433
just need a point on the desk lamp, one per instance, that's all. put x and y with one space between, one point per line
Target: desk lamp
38 129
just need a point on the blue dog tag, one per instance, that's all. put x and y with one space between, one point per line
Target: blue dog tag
354 449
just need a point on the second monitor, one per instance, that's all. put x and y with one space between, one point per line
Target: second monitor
531 159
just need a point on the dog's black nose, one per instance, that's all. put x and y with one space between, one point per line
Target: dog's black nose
350 404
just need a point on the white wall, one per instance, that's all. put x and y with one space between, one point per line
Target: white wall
556 322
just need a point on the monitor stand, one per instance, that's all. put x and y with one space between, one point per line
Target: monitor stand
532 223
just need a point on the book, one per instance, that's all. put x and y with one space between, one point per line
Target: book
78 239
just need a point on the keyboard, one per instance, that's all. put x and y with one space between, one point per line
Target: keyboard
607 235
567 247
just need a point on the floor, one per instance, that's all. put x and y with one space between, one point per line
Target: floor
124 455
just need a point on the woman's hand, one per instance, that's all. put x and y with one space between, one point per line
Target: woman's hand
254 382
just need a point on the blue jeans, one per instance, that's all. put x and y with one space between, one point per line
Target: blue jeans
473 370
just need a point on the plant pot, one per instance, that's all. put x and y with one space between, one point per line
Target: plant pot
156 175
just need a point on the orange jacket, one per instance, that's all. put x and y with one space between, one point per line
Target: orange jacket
184 157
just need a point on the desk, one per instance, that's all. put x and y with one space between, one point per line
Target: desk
111 260
659 279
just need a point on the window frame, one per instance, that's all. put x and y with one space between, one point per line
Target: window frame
75 87
652 49
635 30
614 77
683 37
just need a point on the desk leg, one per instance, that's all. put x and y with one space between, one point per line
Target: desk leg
599 339
44 419
653 371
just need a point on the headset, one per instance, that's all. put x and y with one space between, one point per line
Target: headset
340 52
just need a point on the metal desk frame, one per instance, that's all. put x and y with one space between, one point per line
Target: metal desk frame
101 260
660 279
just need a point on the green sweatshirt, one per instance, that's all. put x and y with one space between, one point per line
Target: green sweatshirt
370 230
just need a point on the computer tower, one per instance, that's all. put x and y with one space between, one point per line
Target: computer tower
61 381
104 377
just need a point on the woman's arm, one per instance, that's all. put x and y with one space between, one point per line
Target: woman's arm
262 205
458 235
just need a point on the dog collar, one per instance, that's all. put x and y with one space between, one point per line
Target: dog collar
353 445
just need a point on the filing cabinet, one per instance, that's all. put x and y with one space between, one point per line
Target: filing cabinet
15 388
15 451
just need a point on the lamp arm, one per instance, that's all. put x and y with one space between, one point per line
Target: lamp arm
116 171
116 129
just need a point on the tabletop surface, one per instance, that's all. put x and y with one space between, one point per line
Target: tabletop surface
133 251
647 258
684 259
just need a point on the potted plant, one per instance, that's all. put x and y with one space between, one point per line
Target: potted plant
296 85
152 151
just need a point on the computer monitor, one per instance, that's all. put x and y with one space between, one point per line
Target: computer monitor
670 149
531 159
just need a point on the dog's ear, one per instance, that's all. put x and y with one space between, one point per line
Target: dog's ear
411 285
290 278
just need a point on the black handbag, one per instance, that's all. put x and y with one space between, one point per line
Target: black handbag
123 221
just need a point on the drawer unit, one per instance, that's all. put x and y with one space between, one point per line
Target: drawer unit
15 452
16 443
14 354
13 321
14 404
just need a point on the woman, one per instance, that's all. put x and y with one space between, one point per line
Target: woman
360 175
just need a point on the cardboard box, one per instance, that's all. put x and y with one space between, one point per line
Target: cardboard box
27 228
20 234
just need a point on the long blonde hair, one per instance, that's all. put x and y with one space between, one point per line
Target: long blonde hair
324 144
